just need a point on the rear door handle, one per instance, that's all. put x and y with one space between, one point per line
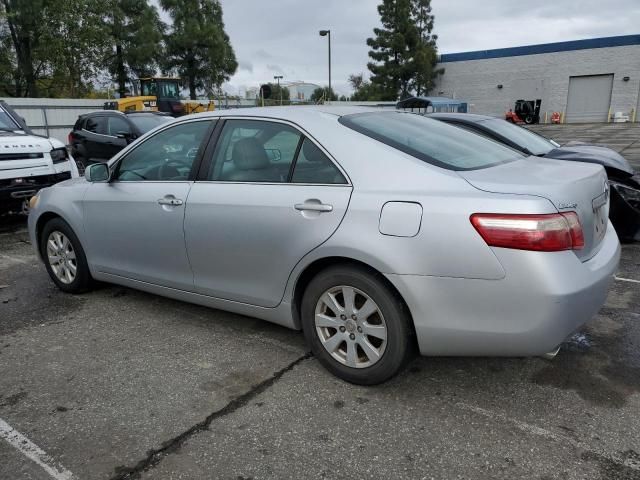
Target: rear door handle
313 207
170 201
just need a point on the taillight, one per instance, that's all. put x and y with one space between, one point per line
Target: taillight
70 138
177 107
544 233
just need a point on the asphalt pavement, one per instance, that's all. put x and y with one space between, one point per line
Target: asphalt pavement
118 384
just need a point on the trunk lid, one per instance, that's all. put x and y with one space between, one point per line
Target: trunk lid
569 186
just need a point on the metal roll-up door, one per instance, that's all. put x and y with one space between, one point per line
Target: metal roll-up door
589 98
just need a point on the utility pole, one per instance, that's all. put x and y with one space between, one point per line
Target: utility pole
327 33
278 78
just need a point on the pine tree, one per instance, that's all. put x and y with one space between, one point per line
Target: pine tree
403 52
134 31
197 46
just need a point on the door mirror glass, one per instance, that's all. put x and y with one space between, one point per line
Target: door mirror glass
97 172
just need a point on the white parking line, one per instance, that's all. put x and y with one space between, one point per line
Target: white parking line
548 434
33 452
627 280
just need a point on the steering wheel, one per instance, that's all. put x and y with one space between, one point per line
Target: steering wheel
170 169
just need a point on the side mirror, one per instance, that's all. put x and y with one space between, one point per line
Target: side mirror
97 173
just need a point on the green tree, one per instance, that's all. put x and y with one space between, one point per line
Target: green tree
198 48
403 52
75 41
24 20
134 31
363 89
276 90
323 94
426 56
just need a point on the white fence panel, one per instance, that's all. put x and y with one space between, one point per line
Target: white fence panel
53 117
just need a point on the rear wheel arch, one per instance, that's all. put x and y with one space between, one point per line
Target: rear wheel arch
317 266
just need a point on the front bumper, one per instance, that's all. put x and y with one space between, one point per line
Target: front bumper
543 298
14 191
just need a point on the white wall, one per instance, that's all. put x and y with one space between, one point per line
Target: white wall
544 76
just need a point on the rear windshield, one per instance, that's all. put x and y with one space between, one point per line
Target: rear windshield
534 143
430 140
148 122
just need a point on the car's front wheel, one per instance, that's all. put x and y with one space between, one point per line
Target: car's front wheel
355 325
64 257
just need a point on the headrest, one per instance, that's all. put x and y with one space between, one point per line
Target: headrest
248 154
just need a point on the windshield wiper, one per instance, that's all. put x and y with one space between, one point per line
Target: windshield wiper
5 129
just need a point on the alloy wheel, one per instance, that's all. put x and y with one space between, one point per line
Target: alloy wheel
62 257
351 326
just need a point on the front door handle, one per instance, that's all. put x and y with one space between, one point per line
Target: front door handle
313 207
170 200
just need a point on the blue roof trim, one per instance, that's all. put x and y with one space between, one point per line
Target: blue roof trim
619 41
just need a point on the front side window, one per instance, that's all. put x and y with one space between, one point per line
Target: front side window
148 122
97 125
254 151
118 125
166 156
430 140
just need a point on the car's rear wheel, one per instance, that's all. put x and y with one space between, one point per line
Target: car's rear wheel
64 257
355 325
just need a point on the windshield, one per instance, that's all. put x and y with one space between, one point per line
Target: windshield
6 122
168 90
148 122
534 143
430 140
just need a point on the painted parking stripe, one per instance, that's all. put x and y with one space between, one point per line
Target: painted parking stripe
33 452
630 280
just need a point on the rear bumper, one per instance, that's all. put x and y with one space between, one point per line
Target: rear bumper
543 298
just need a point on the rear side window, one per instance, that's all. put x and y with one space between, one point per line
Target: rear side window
430 140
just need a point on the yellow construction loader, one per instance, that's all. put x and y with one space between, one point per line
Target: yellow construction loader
159 94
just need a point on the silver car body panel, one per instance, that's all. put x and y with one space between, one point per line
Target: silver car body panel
465 298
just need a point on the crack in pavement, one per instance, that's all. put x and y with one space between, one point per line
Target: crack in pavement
155 456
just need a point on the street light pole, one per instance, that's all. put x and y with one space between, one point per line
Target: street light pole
278 77
327 33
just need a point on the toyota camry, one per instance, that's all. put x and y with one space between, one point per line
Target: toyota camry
377 233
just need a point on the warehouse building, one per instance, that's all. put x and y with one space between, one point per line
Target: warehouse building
585 80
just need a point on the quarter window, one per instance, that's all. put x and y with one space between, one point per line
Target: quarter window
254 151
166 156
313 166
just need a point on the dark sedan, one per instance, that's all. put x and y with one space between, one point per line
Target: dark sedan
98 136
625 186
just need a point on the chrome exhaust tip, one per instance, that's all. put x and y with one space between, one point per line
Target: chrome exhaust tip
552 354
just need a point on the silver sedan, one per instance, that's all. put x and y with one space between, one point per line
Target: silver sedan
375 232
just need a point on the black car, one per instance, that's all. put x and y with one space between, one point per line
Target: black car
98 136
625 184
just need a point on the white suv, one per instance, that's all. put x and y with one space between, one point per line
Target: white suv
28 162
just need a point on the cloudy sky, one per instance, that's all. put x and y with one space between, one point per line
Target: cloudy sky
280 37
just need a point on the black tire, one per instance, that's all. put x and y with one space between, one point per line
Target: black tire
399 343
528 119
83 280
